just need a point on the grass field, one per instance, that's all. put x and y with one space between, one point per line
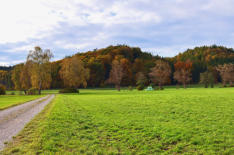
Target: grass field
7 101
44 92
191 121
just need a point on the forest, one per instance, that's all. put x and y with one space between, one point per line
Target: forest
125 66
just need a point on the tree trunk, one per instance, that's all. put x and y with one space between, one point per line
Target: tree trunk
160 86
39 90
212 85
25 92
118 87
224 83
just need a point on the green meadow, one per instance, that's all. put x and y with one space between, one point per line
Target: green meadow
7 101
172 121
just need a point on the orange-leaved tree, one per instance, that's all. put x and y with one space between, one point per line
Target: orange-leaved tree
127 72
182 72
116 74
160 73
227 73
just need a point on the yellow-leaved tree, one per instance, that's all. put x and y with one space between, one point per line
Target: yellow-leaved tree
73 72
40 69
25 77
20 75
15 76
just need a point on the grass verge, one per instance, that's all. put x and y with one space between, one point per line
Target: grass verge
8 101
26 142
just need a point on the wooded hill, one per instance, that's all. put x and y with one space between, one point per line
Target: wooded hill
133 60
5 68
205 57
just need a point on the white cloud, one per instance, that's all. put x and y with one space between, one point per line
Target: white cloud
25 19
19 49
9 63
164 26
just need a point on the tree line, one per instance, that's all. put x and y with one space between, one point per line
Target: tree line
120 65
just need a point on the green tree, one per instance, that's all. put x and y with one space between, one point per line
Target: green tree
207 78
141 80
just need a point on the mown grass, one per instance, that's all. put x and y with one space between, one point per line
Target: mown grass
191 121
7 101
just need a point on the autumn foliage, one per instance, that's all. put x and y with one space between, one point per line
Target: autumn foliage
40 68
73 73
227 73
182 72
120 65
116 74
160 73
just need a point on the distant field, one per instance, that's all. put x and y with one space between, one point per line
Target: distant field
191 121
56 91
12 100
44 92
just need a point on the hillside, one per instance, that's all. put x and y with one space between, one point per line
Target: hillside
211 55
99 63
205 57
134 60
4 68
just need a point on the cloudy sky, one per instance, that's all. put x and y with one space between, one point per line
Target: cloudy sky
164 27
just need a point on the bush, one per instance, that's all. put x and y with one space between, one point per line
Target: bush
158 88
32 91
130 88
140 87
20 93
2 90
68 90
12 93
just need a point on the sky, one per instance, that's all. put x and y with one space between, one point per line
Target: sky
161 27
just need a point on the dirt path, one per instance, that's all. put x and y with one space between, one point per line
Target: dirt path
13 120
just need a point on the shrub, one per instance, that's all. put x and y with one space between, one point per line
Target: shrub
130 88
32 91
158 88
2 90
68 90
140 87
20 93
12 93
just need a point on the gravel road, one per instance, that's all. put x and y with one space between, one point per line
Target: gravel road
13 120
